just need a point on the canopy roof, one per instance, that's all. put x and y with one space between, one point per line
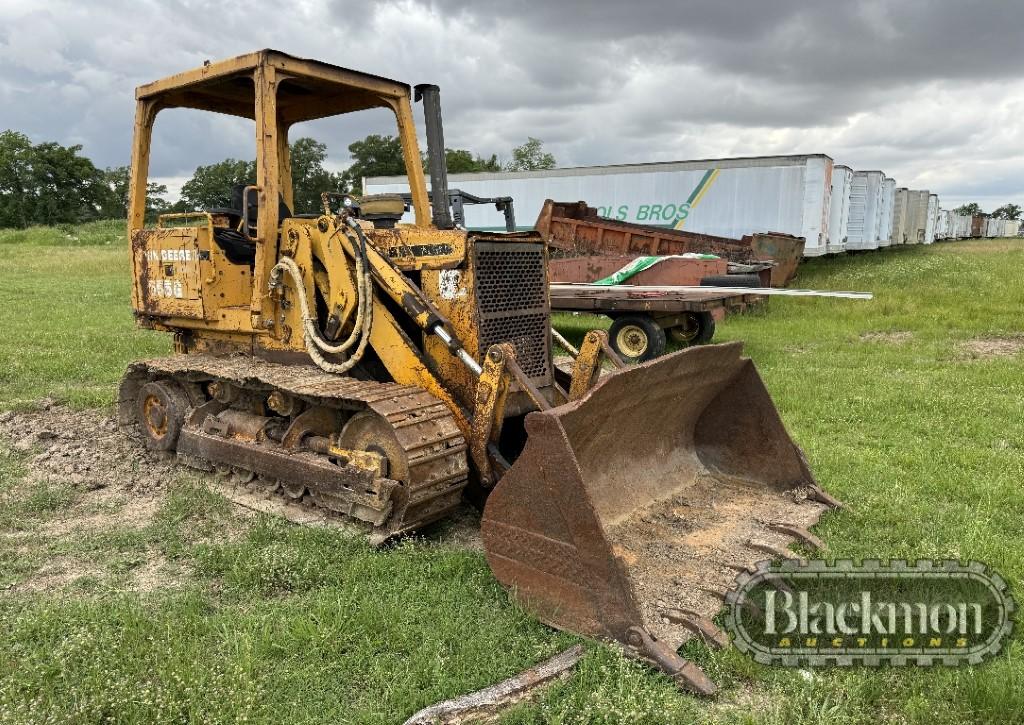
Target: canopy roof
306 89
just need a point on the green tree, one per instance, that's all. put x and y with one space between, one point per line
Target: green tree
15 173
47 183
1007 211
530 156
461 161
969 209
210 186
309 177
68 187
118 180
375 155
491 163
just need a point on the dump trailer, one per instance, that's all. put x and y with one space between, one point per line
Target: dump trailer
577 228
380 370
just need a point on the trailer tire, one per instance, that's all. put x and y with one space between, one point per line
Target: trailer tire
731 280
637 338
699 329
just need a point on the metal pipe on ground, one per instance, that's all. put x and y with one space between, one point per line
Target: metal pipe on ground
770 291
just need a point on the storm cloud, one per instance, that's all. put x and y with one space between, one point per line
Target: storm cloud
929 92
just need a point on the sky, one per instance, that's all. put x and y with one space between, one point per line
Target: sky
929 91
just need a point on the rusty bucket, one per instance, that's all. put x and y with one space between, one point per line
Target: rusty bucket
630 511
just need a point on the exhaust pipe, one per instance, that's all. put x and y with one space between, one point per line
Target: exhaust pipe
431 97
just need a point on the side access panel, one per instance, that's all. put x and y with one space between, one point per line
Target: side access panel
166 271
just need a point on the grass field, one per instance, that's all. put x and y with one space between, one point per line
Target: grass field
909 408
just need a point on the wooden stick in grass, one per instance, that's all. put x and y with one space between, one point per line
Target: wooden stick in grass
505 693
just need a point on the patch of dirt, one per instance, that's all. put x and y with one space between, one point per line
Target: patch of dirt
87 450
115 509
989 347
57 573
894 337
118 484
155 573
686 552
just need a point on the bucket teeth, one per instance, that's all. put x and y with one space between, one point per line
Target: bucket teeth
718 594
817 493
737 567
722 596
640 643
769 548
800 533
703 627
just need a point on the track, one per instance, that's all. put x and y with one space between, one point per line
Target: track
418 435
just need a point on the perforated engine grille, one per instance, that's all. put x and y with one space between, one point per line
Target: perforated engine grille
511 294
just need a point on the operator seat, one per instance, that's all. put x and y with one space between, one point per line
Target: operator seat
238 247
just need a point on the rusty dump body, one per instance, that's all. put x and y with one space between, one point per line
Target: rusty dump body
379 370
576 228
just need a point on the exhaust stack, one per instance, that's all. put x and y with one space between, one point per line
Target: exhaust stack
431 97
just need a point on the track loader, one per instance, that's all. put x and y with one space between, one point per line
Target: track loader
383 370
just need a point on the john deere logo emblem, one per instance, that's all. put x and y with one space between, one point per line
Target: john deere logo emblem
798 613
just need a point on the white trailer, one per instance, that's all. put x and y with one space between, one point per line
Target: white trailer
994 228
917 216
1012 228
839 208
900 216
885 214
944 224
932 218
963 226
866 209
725 197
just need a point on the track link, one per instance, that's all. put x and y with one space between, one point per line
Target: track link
433 447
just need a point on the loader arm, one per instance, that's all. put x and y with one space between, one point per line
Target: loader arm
480 416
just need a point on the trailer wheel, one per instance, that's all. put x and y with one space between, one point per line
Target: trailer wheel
637 338
707 327
698 328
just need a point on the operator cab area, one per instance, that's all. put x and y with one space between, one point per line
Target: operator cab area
240 241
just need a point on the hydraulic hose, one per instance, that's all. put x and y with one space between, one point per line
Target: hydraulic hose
316 345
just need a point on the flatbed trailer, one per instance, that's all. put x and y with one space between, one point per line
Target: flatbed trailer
643 318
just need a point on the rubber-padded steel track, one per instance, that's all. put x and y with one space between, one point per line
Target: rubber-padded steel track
434 446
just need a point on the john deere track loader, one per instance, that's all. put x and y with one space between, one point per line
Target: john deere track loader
377 369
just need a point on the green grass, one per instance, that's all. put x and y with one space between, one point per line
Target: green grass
281 624
65 316
106 233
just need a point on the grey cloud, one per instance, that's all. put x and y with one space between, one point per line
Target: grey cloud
905 86
871 42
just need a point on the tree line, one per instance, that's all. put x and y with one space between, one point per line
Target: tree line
48 184
1006 211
